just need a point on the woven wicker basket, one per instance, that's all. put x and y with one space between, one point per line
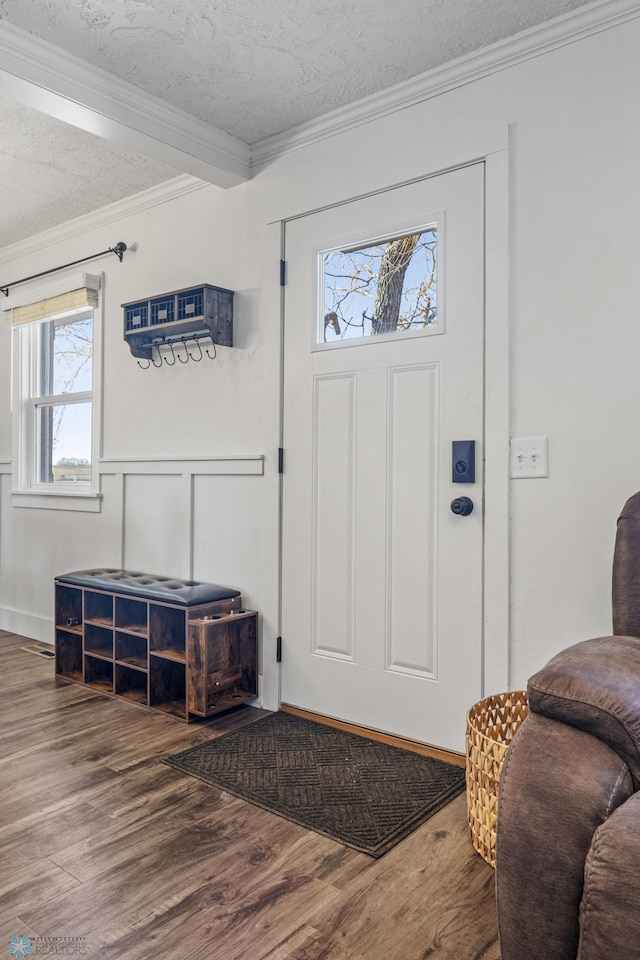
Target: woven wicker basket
491 725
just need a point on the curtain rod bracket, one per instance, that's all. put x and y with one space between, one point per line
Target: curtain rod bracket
119 250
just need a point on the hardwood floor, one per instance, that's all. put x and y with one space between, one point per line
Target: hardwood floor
100 840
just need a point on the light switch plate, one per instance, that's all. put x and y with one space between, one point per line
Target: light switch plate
529 457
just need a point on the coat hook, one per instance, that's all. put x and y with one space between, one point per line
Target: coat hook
184 344
215 352
196 359
157 349
147 366
170 364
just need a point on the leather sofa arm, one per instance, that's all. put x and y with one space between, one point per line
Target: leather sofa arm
610 912
558 786
595 686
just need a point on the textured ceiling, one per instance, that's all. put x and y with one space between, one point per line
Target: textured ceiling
252 68
53 172
257 67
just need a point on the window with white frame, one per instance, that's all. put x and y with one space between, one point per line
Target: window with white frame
54 393
60 410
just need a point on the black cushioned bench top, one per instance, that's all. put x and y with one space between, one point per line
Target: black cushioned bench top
188 593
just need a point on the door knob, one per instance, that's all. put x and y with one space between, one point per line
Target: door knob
462 506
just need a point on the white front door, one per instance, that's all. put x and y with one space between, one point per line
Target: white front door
384 336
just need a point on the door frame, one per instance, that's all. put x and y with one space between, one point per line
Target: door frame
496 514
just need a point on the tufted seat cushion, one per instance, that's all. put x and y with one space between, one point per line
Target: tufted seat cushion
150 586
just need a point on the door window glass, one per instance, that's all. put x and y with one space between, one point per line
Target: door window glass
388 287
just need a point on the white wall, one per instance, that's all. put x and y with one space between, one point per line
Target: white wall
189 453
568 121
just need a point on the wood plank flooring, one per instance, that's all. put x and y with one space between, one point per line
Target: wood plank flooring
101 840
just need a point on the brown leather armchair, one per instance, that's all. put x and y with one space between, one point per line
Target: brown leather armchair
568 828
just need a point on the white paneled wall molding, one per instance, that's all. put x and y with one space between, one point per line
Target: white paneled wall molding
199 518
157 506
245 465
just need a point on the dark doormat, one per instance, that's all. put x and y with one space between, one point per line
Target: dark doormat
364 794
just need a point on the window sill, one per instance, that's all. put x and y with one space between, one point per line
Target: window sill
88 502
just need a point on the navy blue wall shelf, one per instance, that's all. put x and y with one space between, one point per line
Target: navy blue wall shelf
191 314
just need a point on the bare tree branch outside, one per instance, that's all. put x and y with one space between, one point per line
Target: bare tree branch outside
387 287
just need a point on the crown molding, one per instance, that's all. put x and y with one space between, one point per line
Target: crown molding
45 78
112 213
535 42
39 75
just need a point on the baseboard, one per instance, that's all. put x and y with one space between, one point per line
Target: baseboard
26 625
415 746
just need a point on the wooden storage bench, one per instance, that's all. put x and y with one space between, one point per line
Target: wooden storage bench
183 647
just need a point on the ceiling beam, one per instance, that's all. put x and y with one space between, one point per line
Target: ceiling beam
45 78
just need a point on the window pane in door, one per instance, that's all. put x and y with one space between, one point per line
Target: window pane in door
387 287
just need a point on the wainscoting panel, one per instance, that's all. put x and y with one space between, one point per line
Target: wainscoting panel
197 519
38 544
228 543
157 521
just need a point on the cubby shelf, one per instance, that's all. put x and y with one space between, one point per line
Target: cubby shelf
185 661
176 655
133 629
133 664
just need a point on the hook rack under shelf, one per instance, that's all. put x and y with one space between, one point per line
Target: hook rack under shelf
179 342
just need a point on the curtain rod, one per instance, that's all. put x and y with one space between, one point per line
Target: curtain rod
119 250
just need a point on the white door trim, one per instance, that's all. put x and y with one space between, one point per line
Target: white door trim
497 426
